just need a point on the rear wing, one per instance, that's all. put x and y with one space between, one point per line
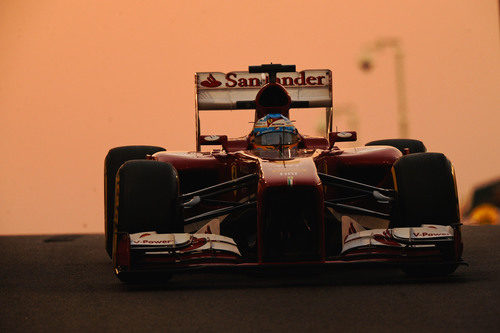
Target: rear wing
237 90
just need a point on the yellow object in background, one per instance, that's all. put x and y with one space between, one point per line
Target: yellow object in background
484 214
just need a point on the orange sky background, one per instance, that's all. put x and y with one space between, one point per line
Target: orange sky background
80 77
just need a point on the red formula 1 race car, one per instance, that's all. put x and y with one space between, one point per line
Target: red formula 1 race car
277 198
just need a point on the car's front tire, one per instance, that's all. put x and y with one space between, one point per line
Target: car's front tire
147 198
426 191
426 194
114 160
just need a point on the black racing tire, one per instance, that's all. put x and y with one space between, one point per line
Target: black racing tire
426 194
415 146
147 193
425 191
114 160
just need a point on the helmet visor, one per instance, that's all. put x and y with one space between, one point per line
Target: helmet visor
276 138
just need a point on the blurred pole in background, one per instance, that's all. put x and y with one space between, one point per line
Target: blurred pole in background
366 64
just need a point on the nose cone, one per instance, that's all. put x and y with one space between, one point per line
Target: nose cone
296 172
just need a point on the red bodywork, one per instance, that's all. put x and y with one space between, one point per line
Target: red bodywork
368 164
287 189
294 179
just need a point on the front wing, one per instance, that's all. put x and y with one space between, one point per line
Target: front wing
150 252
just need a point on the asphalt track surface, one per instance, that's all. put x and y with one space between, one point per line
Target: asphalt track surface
52 283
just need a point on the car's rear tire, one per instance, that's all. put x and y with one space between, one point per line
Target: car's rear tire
415 146
426 194
114 160
147 193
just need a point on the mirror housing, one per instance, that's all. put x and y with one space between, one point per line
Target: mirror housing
346 136
213 140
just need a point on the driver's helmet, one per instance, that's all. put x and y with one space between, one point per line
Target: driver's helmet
274 131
